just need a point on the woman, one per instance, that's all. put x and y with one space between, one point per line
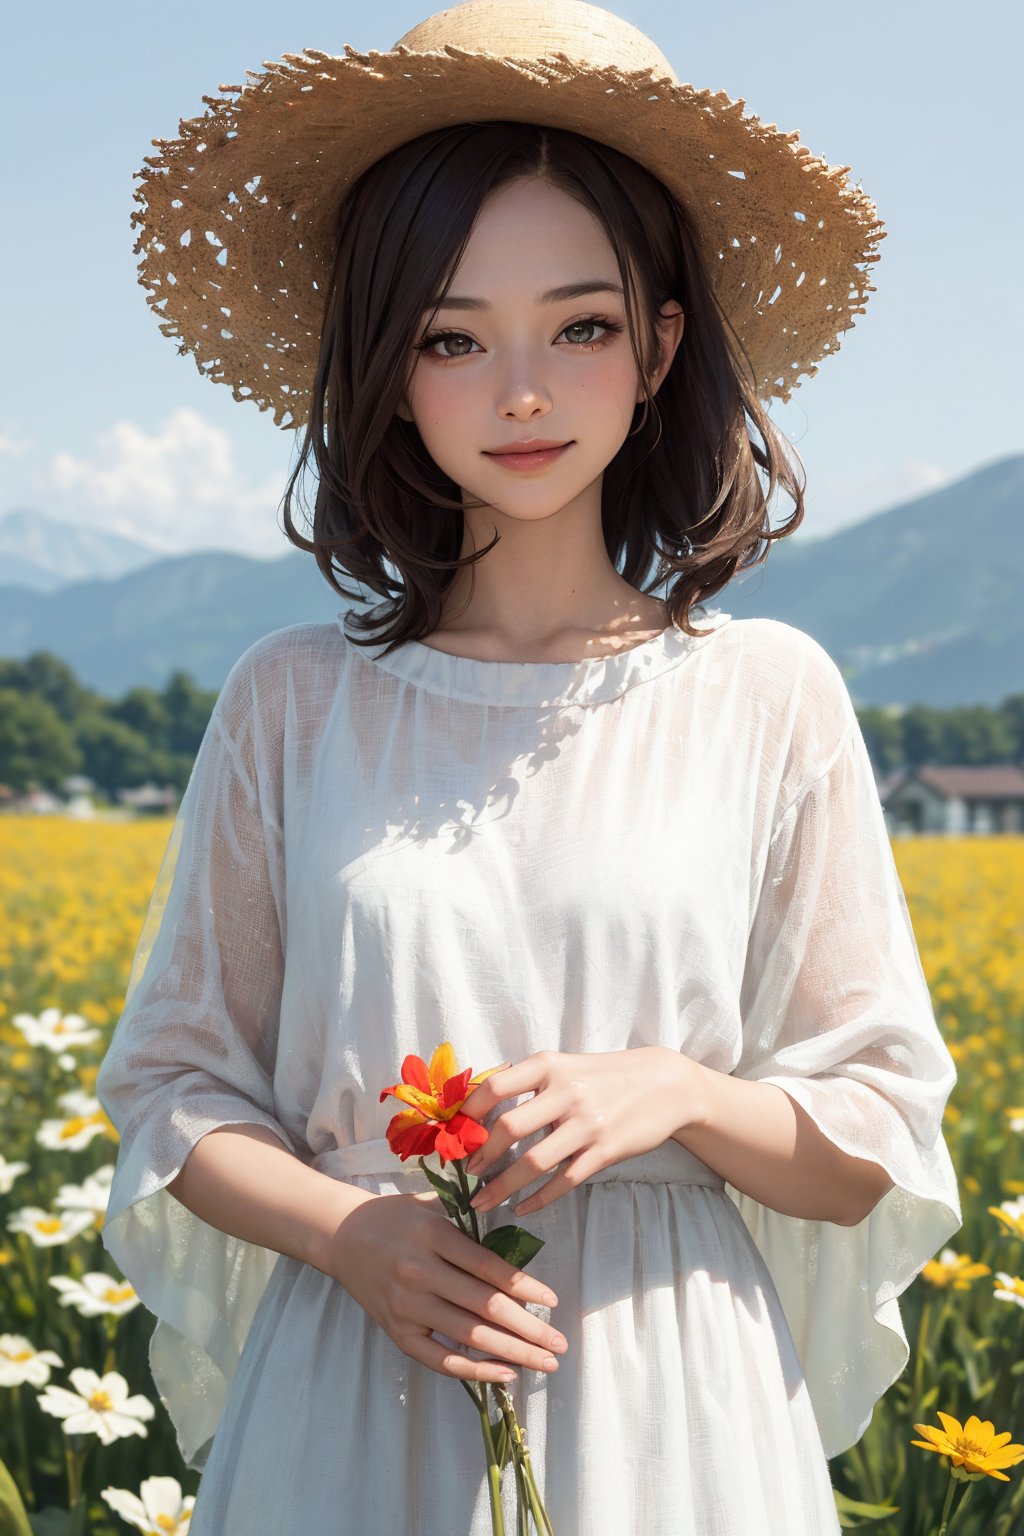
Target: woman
524 807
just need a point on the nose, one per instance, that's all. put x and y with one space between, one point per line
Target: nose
522 394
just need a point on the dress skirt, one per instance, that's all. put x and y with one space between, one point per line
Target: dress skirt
679 1409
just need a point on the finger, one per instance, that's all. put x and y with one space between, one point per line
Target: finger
482 1302
448 1362
473 1331
571 1177
532 1165
483 1264
524 1077
544 1109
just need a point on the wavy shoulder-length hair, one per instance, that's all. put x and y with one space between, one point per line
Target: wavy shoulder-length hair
682 502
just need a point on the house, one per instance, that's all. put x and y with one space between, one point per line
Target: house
956 801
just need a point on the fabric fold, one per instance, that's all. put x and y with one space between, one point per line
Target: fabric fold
836 1012
194 1050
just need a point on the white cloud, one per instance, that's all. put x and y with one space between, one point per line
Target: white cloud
13 447
178 489
838 499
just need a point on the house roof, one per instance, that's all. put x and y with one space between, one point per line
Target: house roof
990 781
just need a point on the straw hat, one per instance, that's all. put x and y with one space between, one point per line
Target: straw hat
237 214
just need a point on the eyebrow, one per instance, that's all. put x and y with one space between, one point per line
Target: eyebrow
552 296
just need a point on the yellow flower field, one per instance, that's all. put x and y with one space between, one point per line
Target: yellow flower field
73 1336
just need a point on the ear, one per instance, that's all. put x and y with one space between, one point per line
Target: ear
402 410
671 323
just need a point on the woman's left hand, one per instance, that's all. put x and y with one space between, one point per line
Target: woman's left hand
606 1106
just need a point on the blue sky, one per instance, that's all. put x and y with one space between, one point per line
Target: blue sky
104 424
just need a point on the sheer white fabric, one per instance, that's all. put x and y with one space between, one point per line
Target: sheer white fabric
679 845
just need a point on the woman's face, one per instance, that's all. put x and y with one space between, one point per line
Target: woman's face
518 364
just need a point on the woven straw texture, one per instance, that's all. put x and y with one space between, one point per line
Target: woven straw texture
236 215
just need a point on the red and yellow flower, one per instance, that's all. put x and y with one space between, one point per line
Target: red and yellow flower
436 1094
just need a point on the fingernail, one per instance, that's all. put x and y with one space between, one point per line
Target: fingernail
549 1299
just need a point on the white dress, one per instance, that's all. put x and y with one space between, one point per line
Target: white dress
679 845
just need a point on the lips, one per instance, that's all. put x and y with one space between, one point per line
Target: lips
536 445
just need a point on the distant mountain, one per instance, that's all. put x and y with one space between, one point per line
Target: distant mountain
42 553
922 603
194 613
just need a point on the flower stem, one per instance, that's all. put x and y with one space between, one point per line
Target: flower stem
922 1339
493 1471
27 1492
464 1183
521 1455
950 1489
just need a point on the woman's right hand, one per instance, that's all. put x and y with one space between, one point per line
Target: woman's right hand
411 1268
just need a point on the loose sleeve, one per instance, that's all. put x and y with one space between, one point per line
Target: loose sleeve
836 1011
194 1049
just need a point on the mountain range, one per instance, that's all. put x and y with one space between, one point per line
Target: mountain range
920 603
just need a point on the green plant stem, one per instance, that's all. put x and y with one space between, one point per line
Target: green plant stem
521 1455
21 1441
950 1490
75 1461
493 1470
1008 1520
922 1339
969 1490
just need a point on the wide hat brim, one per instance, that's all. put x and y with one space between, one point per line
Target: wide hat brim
237 215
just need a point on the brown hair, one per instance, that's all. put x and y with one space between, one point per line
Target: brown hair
682 494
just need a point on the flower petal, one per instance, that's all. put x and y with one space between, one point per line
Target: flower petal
424 1102
414 1071
443 1065
455 1090
409 1134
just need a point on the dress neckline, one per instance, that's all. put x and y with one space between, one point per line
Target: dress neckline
594 680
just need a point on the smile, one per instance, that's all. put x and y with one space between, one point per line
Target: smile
536 460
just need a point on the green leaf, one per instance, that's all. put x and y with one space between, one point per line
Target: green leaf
516 1246
13 1519
502 1442
451 1194
853 1514
51 1522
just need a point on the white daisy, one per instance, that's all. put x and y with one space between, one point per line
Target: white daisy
55 1031
48 1228
100 1406
20 1361
95 1293
92 1194
8 1173
83 1119
1010 1288
160 1508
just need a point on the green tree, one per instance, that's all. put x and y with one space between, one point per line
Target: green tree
188 712
115 756
976 734
37 747
883 737
144 711
922 735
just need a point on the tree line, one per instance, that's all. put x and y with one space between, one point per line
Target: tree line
53 727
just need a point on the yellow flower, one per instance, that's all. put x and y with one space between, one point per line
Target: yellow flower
1011 1214
973 1445
953 1269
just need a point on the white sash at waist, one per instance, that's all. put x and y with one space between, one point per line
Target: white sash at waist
670 1163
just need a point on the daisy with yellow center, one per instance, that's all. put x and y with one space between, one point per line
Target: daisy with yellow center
1011 1214
953 1270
